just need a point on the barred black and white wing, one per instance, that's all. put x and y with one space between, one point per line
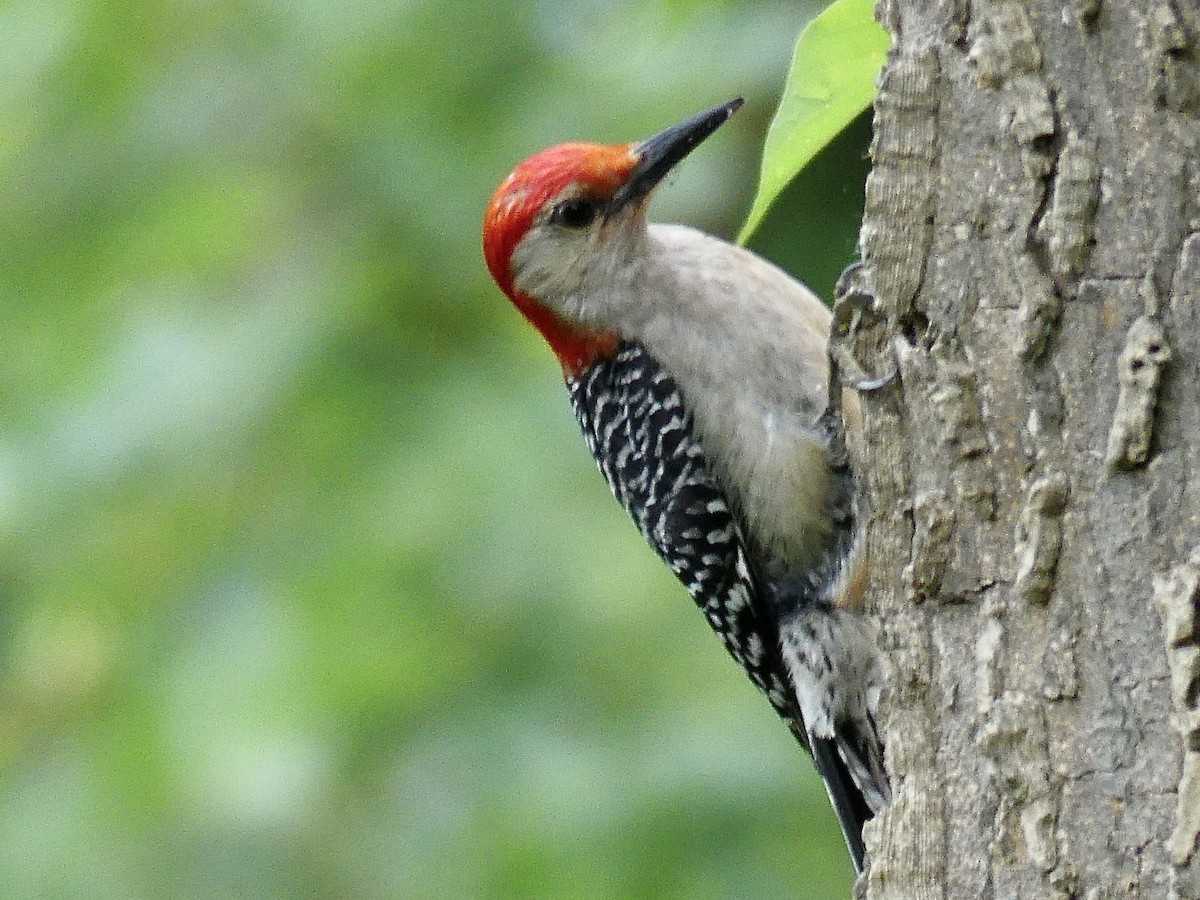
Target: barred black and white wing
638 428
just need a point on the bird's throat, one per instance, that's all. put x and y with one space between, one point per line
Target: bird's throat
576 348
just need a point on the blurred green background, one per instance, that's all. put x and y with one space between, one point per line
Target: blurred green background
308 586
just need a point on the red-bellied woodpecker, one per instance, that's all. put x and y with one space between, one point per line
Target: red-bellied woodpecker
699 374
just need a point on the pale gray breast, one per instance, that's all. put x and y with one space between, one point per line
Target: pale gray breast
746 344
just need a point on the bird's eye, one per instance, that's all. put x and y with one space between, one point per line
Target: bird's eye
574 213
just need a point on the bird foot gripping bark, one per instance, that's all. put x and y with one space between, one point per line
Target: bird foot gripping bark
853 302
853 305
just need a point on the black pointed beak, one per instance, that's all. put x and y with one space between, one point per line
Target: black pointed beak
659 154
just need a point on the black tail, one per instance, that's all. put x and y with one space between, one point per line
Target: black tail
848 802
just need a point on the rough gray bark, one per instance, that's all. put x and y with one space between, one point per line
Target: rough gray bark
1032 236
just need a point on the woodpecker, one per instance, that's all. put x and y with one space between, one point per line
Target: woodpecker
700 377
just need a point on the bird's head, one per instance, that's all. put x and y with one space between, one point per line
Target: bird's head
566 225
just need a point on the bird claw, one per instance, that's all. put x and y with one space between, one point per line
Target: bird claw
875 384
853 302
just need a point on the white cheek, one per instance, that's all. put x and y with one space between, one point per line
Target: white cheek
585 275
547 267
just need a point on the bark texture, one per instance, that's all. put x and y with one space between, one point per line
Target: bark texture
1032 237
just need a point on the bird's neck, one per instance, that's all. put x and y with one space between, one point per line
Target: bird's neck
576 347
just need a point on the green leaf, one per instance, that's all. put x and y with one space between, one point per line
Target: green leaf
832 80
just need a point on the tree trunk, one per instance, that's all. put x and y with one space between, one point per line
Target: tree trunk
1032 237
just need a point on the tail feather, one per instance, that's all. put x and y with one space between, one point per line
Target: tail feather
835 675
862 759
848 801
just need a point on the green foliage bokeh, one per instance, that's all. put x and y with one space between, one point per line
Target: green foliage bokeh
307 585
